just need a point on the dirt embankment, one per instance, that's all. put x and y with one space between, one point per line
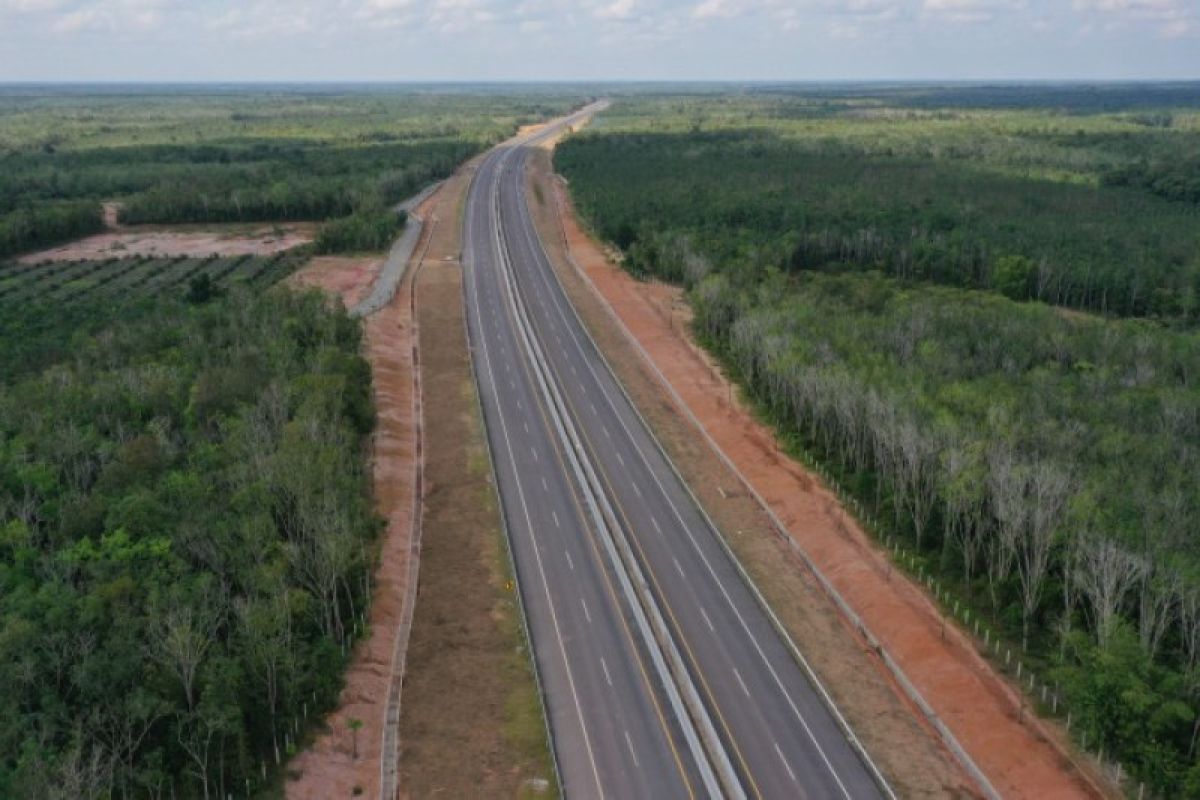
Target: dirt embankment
328 768
348 278
967 695
190 242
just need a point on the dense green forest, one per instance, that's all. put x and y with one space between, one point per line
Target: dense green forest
1037 207
1045 462
185 531
206 156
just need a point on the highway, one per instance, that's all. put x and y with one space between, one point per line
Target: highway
663 673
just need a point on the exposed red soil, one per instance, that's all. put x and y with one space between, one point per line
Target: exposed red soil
347 278
1022 759
327 768
128 242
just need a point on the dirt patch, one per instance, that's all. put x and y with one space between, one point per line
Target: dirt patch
471 724
220 241
979 707
347 278
327 768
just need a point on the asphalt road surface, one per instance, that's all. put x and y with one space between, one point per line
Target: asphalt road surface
663 674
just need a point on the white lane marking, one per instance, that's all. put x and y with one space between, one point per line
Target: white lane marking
629 742
786 765
636 490
570 563
545 486
573 372
619 458
606 433
707 621
513 384
535 455
757 646
604 666
587 614
526 426
741 682
593 405
587 743
557 524
655 521
519 407
678 568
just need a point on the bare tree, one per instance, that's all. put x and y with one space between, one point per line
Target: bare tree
180 638
1189 619
266 627
85 773
963 488
1006 486
1047 491
1107 573
915 468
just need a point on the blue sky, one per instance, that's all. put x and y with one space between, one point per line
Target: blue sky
420 40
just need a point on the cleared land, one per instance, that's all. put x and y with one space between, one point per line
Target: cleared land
223 241
907 752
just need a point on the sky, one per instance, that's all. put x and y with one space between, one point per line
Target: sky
500 40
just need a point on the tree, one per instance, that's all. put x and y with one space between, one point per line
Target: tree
1106 575
180 637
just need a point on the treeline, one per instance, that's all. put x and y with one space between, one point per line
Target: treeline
367 229
29 228
316 184
185 538
1174 180
759 199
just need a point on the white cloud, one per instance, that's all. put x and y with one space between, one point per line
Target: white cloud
968 11
718 8
618 9
1172 19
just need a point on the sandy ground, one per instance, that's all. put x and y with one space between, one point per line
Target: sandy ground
235 240
1022 760
347 278
327 769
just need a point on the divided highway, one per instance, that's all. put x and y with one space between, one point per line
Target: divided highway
663 673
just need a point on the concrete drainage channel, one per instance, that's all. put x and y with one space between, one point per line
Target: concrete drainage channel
398 257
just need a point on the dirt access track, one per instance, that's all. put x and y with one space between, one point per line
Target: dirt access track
643 330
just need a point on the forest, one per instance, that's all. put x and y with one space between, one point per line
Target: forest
187 532
985 339
913 210
208 156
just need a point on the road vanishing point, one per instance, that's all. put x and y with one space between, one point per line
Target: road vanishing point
662 671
